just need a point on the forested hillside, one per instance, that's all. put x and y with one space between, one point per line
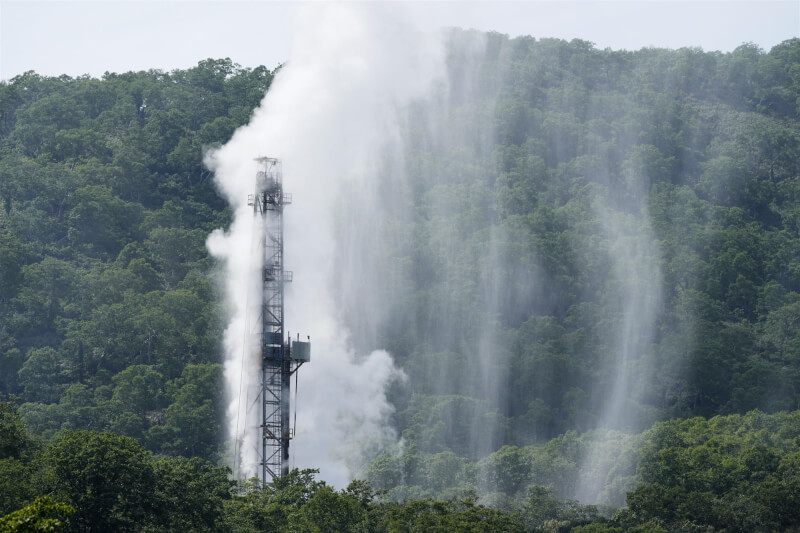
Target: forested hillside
110 319
599 239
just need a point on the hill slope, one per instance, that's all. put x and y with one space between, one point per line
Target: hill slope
586 238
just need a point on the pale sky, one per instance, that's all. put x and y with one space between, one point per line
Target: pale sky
74 38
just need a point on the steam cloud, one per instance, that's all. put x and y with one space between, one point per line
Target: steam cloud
361 91
328 113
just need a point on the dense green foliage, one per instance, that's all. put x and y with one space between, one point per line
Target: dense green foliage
539 201
103 482
42 515
568 174
733 473
583 203
109 319
729 473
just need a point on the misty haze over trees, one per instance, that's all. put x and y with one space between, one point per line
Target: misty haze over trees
589 272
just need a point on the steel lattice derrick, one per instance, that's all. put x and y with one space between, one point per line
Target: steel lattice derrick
277 363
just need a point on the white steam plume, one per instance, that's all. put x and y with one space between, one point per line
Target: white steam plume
329 115
636 281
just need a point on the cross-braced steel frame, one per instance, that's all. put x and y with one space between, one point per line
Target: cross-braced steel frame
276 362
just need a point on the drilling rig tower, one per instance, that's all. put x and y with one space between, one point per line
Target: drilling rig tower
280 356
